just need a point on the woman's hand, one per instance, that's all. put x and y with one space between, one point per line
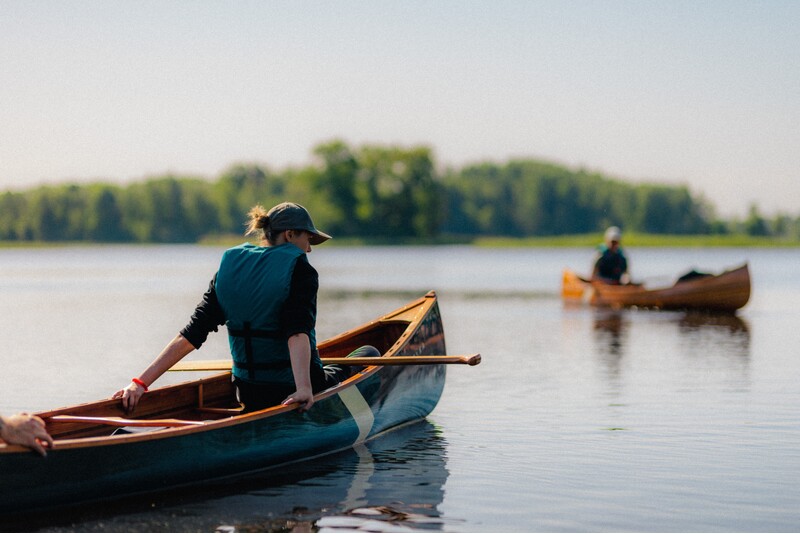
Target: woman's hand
130 396
303 397
169 356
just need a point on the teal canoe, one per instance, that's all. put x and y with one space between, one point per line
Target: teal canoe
194 432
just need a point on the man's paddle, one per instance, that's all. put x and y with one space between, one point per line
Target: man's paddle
225 365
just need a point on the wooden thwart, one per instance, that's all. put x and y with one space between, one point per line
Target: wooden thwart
225 365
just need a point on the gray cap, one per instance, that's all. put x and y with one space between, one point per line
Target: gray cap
291 216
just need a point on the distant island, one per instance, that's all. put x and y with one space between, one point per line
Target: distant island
388 194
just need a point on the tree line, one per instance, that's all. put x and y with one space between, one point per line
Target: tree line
373 192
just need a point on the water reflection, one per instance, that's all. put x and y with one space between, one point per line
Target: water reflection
725 335
394 481
609 328
731 323
695 334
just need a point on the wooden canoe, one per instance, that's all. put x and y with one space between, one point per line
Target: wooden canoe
724 292
190 433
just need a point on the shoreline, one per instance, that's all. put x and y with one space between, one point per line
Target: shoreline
565 241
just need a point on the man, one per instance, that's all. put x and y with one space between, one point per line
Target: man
611 266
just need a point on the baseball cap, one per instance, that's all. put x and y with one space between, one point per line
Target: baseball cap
291 216
613 234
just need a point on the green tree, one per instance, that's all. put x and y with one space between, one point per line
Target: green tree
755 224
13 212
104 221
397 192
240 188
44 216
335 183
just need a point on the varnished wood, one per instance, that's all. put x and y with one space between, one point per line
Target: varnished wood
121 421
225 365
725 292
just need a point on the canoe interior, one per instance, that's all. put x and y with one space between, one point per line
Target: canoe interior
209 398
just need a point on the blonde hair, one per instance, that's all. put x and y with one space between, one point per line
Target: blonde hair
259 223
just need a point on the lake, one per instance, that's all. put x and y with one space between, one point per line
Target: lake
578 419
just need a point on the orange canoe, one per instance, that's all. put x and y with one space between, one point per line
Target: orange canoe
725 292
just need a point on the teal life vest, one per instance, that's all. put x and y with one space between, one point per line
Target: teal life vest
611 265
252 286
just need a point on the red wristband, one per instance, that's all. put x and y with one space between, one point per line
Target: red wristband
139 383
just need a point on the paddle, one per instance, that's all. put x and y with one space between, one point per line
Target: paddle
225 365
121 421
590 281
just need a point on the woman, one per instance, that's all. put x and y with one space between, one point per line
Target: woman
267 297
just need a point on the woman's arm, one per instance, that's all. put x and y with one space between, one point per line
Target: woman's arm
300 354
206 318
172 354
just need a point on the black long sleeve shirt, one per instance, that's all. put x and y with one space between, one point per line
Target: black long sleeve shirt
298 315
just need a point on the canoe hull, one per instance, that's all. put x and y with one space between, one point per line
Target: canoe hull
725 292
81 470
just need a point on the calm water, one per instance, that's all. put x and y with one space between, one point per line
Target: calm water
577 419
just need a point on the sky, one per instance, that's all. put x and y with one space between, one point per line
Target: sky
698 93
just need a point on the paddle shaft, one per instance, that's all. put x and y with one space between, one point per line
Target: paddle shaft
121 421
225 365
469 359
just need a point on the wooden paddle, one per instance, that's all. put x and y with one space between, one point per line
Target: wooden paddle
225 365
121 421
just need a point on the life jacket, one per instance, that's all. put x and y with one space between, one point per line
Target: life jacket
252 286
611 265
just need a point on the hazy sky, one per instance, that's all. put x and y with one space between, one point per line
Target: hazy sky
702 93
